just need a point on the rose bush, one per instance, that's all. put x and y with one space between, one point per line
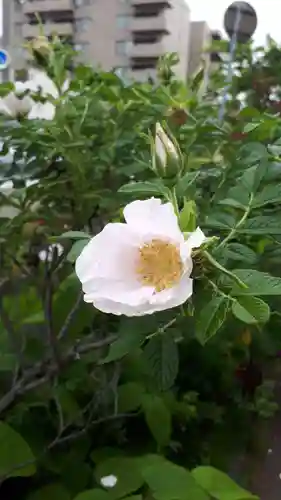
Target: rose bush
134 212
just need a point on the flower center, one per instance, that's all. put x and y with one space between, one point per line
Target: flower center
159 264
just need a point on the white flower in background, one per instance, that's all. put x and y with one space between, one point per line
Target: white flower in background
48 254
14 105
41 82
164 147
109 481
141 266
17 104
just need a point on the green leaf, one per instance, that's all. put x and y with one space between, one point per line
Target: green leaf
249 127
258 283
237 251
171 482
187 219
54 491
14 451
74 235
162 360
221 221
269 195
126 343
76 250
6 88
219 486
185 182
254 151
251 310
262 224
158 418
126 470
237 197
149 187
211 318
94 494
129 397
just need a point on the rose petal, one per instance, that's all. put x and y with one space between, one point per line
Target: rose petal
110 254
152 218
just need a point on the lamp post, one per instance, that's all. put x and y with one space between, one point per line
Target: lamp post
240 22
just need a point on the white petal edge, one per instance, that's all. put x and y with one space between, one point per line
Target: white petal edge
151 218
167 299
108 255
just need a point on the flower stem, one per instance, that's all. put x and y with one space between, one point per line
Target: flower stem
238 225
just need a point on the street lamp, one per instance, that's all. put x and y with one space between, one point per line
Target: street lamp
240 22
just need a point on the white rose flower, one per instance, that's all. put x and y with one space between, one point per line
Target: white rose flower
109 481
48 254
164 147
141 266
14 105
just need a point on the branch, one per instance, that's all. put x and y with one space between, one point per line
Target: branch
43 372
48 312
70 316
66 439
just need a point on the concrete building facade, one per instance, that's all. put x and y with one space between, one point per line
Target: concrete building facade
129 35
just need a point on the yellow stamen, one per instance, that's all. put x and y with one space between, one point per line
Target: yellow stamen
159 264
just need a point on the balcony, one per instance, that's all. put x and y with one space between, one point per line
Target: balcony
147 50
60 29
161 3
155 23
30 7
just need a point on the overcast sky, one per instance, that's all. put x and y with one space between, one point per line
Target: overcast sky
268 12
212 11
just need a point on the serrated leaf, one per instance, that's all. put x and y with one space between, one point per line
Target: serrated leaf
185 182
220 486
169 481
238 196
253 152
251 310
221 221
162 360
269 195
149 187
258 283
211 318
129 397
126 343
158 418
94 494
264 225
249 127
230 202
14 450
76 250
237 251
129 479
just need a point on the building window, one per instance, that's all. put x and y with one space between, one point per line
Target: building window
80 47
83 25
122 21
122 48
82 3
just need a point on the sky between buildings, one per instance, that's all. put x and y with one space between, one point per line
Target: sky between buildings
212 11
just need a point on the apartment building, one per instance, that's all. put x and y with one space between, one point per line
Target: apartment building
201 38
128 35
